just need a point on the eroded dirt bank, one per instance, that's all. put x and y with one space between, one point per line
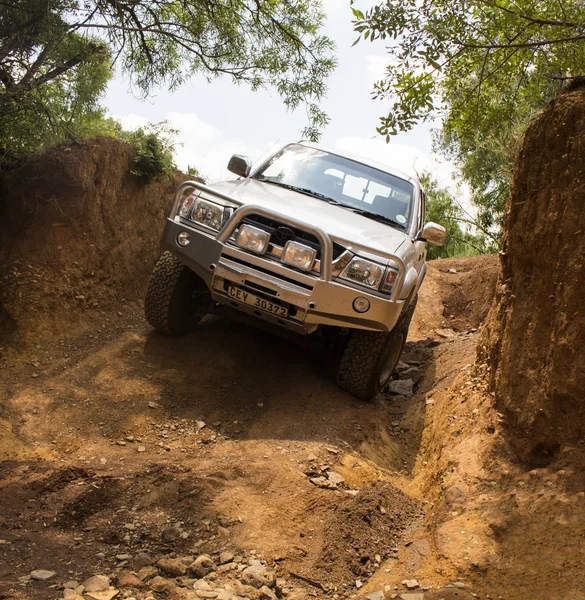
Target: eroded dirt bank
78 235
534 339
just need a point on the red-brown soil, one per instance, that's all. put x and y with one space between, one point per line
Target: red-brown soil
102 444
72 482
534 339
77 231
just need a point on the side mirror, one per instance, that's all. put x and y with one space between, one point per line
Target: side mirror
240 165
434 234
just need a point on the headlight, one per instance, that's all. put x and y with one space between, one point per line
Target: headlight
253 239
299 256
362 271
208 214
389 279
186 205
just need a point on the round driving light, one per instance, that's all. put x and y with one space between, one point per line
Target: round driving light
361 304
183 239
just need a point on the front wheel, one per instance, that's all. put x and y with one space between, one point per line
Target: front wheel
370 357
176 298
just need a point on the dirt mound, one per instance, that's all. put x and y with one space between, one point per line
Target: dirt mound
365 531
534 338
78 234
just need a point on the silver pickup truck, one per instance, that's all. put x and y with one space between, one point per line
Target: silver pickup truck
315 241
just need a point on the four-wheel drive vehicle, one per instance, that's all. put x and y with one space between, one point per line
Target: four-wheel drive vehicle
313 241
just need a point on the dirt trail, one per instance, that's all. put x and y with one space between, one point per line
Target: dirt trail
104 446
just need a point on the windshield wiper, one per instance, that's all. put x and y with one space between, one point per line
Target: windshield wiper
377 217
302 190
330 200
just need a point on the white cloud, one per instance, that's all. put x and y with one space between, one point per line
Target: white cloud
408 159
198 144
376 67
131 122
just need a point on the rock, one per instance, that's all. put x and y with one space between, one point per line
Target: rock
128 579
412 597
410 584
267 594
297 594
201 584
378 595
174 567
458 584
141 449
225 557
199 425
401 387
70 585
323 482
244 591
70 594
123 556
153 405
206 594
202 566
147 572
401 366
445 333
97 583
258 577
185 594
412 371
162 585
335 477
106 595
142 560
42 575
358 584
170 535
223 532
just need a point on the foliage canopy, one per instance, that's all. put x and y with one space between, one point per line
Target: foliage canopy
442 208
485 66
56 56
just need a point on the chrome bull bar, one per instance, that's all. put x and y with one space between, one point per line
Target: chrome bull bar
243 210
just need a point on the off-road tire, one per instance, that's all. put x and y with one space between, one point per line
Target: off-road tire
173 302
369 352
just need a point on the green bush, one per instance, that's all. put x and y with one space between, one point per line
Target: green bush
154 151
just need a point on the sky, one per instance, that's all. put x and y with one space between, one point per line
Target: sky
217 119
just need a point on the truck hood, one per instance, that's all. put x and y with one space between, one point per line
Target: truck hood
338 222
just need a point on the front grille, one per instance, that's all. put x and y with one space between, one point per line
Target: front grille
268 272
271 225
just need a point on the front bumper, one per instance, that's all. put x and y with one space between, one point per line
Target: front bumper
312 301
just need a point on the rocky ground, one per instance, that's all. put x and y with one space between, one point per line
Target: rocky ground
225 464
146 461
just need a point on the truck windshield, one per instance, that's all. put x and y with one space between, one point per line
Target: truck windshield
342 181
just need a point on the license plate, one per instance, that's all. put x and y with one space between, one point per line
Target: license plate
256 301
